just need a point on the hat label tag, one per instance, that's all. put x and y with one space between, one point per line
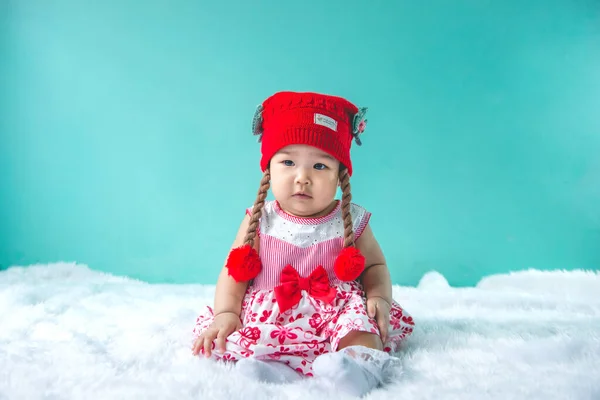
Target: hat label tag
326 121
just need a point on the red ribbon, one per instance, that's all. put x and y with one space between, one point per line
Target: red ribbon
289 293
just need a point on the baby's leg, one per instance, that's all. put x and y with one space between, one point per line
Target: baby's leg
361 338
358 366
269 371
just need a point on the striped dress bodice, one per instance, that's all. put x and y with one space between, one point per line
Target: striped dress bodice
303 243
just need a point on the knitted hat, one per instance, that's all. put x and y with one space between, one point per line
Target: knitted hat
323 121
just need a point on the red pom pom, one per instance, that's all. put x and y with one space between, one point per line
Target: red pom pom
243 263
349 264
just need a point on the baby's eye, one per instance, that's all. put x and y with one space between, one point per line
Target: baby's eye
288 163
320 166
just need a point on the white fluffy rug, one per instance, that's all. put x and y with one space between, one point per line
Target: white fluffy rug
67 332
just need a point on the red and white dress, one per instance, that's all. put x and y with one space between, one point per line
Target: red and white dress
312 322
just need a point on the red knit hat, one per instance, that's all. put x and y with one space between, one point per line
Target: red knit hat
323 121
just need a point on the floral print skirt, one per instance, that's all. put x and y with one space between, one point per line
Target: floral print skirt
302 333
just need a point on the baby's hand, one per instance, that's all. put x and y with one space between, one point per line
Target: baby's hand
223 325
379 309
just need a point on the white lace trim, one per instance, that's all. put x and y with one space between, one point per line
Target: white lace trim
300 235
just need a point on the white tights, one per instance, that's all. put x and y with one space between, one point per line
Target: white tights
267 371
355 370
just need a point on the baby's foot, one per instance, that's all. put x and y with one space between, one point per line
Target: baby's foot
355 370
267 371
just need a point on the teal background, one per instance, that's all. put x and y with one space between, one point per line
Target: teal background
126 143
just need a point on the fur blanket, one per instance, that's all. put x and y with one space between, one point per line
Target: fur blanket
68 332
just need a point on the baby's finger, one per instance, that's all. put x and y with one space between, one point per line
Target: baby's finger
221 340
208 342
371 309
196 346
382 322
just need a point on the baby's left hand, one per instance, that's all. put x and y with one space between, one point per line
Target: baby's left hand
379 309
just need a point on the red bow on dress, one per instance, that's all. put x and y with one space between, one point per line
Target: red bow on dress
289 293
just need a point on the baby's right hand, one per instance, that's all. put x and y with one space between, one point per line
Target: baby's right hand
223 325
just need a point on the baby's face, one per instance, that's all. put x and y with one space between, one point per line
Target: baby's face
304 180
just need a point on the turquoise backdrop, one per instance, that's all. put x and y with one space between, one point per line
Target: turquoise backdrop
126 141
